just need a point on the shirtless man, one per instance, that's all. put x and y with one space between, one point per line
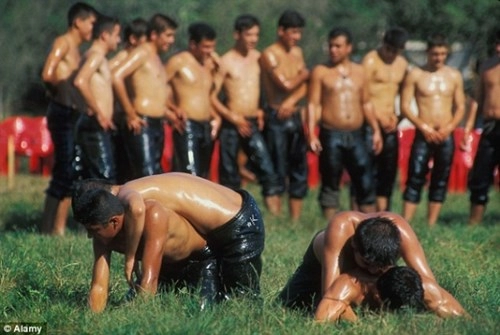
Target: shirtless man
488 152
134 34
354 241
230 222
58 73
398 287
93 139
385 70
145 100
239 78
338 93
438 91
284 80
190 75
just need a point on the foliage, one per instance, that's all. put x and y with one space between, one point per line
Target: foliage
46 279
29 27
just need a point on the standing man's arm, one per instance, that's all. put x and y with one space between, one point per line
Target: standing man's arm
314 110
269 63
458 106
135 59
82 82
176 116
98 295
370 117
471 118
56 55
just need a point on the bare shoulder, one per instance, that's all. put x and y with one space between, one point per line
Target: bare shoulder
370 58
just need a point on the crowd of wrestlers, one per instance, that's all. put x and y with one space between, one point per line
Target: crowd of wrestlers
106 118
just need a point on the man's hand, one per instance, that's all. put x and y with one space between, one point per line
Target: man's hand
135 124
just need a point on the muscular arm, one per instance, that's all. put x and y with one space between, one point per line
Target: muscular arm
411 249
154 238
314 109
336 302
370 117
440 301
339 230
134 227
458 105
269 63
83 84
98 295
58 52
136 58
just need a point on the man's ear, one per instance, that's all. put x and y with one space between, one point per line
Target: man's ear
114 220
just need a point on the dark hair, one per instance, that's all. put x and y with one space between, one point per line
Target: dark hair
340 31
80 10
401 287
96 206
159 23
291 19
396 37
200 31
137 28
85 185
378 241
437 40
103 24
245 22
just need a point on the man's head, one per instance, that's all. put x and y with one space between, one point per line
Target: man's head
340 44
393 43
136 32
82 16
401 287
201 40
246 31
107 29
161 31
100 212
290 25
437 51
376 244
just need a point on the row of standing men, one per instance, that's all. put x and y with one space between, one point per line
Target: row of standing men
103 109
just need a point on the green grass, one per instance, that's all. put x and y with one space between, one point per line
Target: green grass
46 279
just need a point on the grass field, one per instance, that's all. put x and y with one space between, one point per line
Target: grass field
46 279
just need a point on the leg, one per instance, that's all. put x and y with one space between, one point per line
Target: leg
331 167
476 214
228 151
443 158
417 170
385 171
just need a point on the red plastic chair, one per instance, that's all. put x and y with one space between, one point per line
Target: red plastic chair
406 137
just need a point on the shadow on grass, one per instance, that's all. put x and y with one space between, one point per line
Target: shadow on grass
449 218
22 217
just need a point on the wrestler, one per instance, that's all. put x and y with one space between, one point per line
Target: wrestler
439 94
399 287
230 222
171 250
134 34
338 94
239 78
58 73
385 70
144 98
488 152
284 81
190 75
93 139
354 241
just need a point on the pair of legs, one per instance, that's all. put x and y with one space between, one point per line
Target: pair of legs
256 150
345 149
193 149
421 153
287 147
61 122
481 176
